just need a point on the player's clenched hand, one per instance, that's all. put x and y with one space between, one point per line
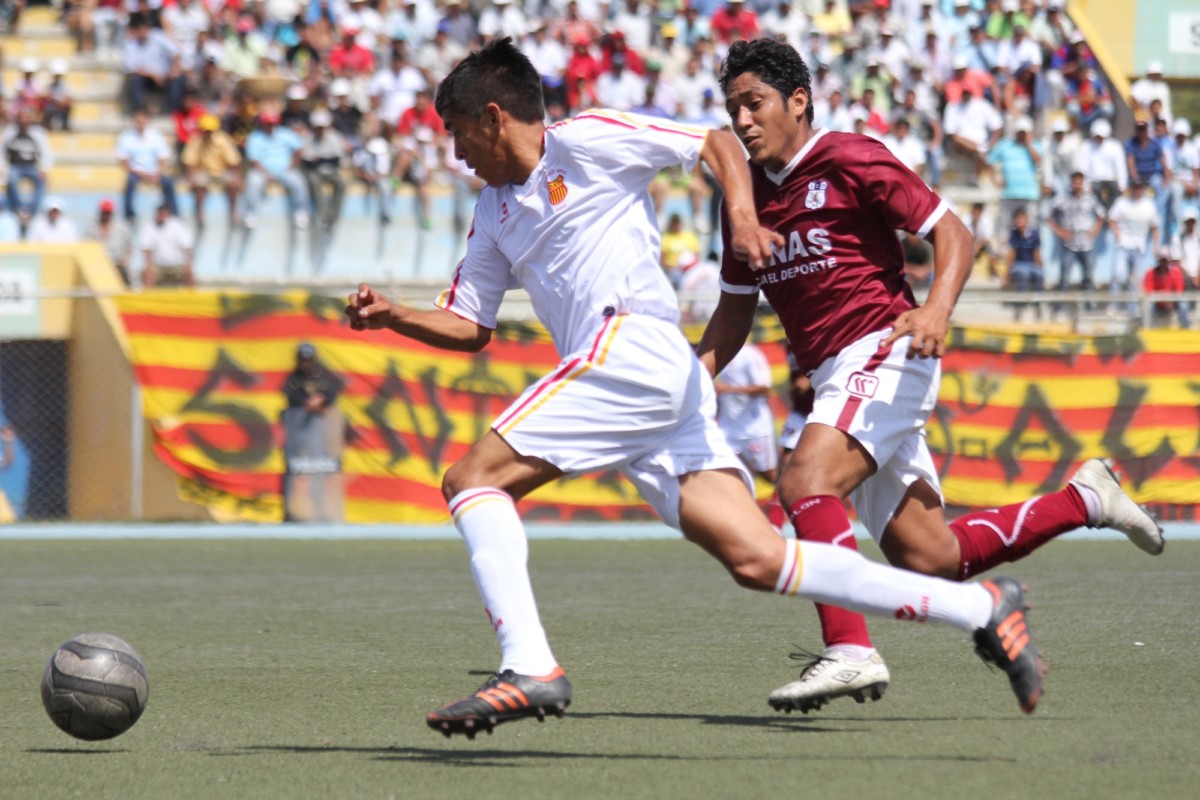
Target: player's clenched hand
928 329
368 309
752 244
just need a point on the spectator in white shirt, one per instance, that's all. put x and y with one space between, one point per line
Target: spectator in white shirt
412 21
503 18
620 88
785 21
183 22
1018 51
1101 159
905 147
144 153
633 20
833 114
1135 226
439 55
690 86
547 55
54 227
1184 156
973 127
1152 87
1187 247
394 88
151 64
368 22
166 244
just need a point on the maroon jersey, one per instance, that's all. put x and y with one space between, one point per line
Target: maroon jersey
840 273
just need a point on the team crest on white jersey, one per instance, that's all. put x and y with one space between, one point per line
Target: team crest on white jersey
556 188
816 194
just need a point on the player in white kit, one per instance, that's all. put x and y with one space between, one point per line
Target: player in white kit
566 215
744 411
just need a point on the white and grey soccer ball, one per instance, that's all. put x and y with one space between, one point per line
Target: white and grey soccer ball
94 686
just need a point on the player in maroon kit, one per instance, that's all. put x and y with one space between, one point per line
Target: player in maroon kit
872 356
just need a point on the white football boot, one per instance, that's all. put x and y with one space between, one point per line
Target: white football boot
829 677
1117 509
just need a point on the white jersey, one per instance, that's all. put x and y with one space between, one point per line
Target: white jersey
579 236
743 416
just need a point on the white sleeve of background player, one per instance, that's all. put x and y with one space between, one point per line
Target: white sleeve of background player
760 368
633 146
483 276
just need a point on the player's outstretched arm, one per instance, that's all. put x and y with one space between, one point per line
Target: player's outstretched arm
929 324
750 241
371 310
727 330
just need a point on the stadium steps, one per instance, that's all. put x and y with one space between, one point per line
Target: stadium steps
85 159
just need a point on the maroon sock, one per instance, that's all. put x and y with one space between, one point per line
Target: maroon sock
996 535
824 519
775 513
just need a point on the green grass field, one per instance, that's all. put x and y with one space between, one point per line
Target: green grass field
303 669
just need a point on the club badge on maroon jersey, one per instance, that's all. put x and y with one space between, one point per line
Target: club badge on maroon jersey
556 189
816 194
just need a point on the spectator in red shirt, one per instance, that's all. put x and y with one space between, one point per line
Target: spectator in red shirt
616 44
580 75
572 27
1167 276
734 22
349 59
965 80
187 119
420 129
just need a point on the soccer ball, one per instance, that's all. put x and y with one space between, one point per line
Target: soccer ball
94 686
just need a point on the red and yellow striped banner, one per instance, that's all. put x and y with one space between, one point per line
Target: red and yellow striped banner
1017 411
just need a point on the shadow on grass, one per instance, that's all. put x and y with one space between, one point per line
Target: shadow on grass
70 751
469 757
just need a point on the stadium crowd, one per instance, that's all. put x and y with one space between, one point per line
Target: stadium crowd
313 95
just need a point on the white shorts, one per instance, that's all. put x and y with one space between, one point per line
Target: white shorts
758 452
792 426
883 400
636 399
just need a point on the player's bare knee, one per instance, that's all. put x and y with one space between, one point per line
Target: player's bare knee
754 573
457 479
926 562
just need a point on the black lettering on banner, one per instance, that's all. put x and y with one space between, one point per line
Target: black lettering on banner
323 307
253 424
964 339
1126 347
482 385
432 447
1192 460
1057 438
1034 345
239 309
940 437
982 384
1138 468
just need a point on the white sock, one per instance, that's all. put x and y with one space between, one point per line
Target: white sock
844 578
1091 501
849 652
495 539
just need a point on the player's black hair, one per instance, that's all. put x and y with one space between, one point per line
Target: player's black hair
496 73
775 63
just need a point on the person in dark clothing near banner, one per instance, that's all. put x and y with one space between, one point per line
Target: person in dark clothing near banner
314 435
